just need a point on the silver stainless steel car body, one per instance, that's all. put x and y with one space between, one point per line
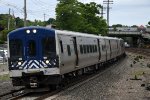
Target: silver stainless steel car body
109 49
74 52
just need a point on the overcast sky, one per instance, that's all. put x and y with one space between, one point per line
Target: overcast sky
126 12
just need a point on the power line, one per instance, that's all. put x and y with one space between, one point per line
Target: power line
12 6
41 7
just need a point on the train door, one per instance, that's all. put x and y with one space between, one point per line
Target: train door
106 49
110 49
76 51
99 50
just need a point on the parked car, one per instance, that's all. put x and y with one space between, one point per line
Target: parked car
3 56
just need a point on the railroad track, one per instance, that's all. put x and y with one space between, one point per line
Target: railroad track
12 94
142 51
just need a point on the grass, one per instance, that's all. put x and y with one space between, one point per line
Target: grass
139 73
4 77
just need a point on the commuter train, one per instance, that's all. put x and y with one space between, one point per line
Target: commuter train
39 56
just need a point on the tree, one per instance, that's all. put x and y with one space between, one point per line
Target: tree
117 25
149 23
76 16
3 20
96 23
50 21
19 22
134 26
4 34
68 15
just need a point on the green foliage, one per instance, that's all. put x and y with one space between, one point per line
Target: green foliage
36 23
4 77
4 21
134 26
50 21
149 23
68 15
3 35
116 25
19 22
76 16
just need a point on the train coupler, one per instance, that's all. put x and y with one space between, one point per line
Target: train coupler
33 82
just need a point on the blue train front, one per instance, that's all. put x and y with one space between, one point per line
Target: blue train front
32 57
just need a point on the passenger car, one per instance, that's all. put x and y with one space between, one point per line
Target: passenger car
41 56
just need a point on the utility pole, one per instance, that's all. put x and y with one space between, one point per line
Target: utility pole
44 17
25 14
108 2
8 20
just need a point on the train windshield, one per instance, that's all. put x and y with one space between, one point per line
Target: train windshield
15 48
48 46
32 48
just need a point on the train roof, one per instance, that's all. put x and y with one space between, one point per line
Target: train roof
22 31
65 32
113 38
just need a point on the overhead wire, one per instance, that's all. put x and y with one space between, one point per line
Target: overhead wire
41 8
12 6
41 5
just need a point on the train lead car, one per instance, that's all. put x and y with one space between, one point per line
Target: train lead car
40 56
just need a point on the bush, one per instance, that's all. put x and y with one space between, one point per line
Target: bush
3 35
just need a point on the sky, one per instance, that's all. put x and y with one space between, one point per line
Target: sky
125 12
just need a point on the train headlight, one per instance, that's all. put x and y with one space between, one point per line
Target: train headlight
19 63
34 31
47 61
27 31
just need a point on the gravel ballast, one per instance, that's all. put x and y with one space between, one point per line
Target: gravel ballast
119 83
122 81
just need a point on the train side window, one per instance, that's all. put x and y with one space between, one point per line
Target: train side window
81 49
84 48
32 48
88 49
16 48
95 48
61 46
91 49
69 52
